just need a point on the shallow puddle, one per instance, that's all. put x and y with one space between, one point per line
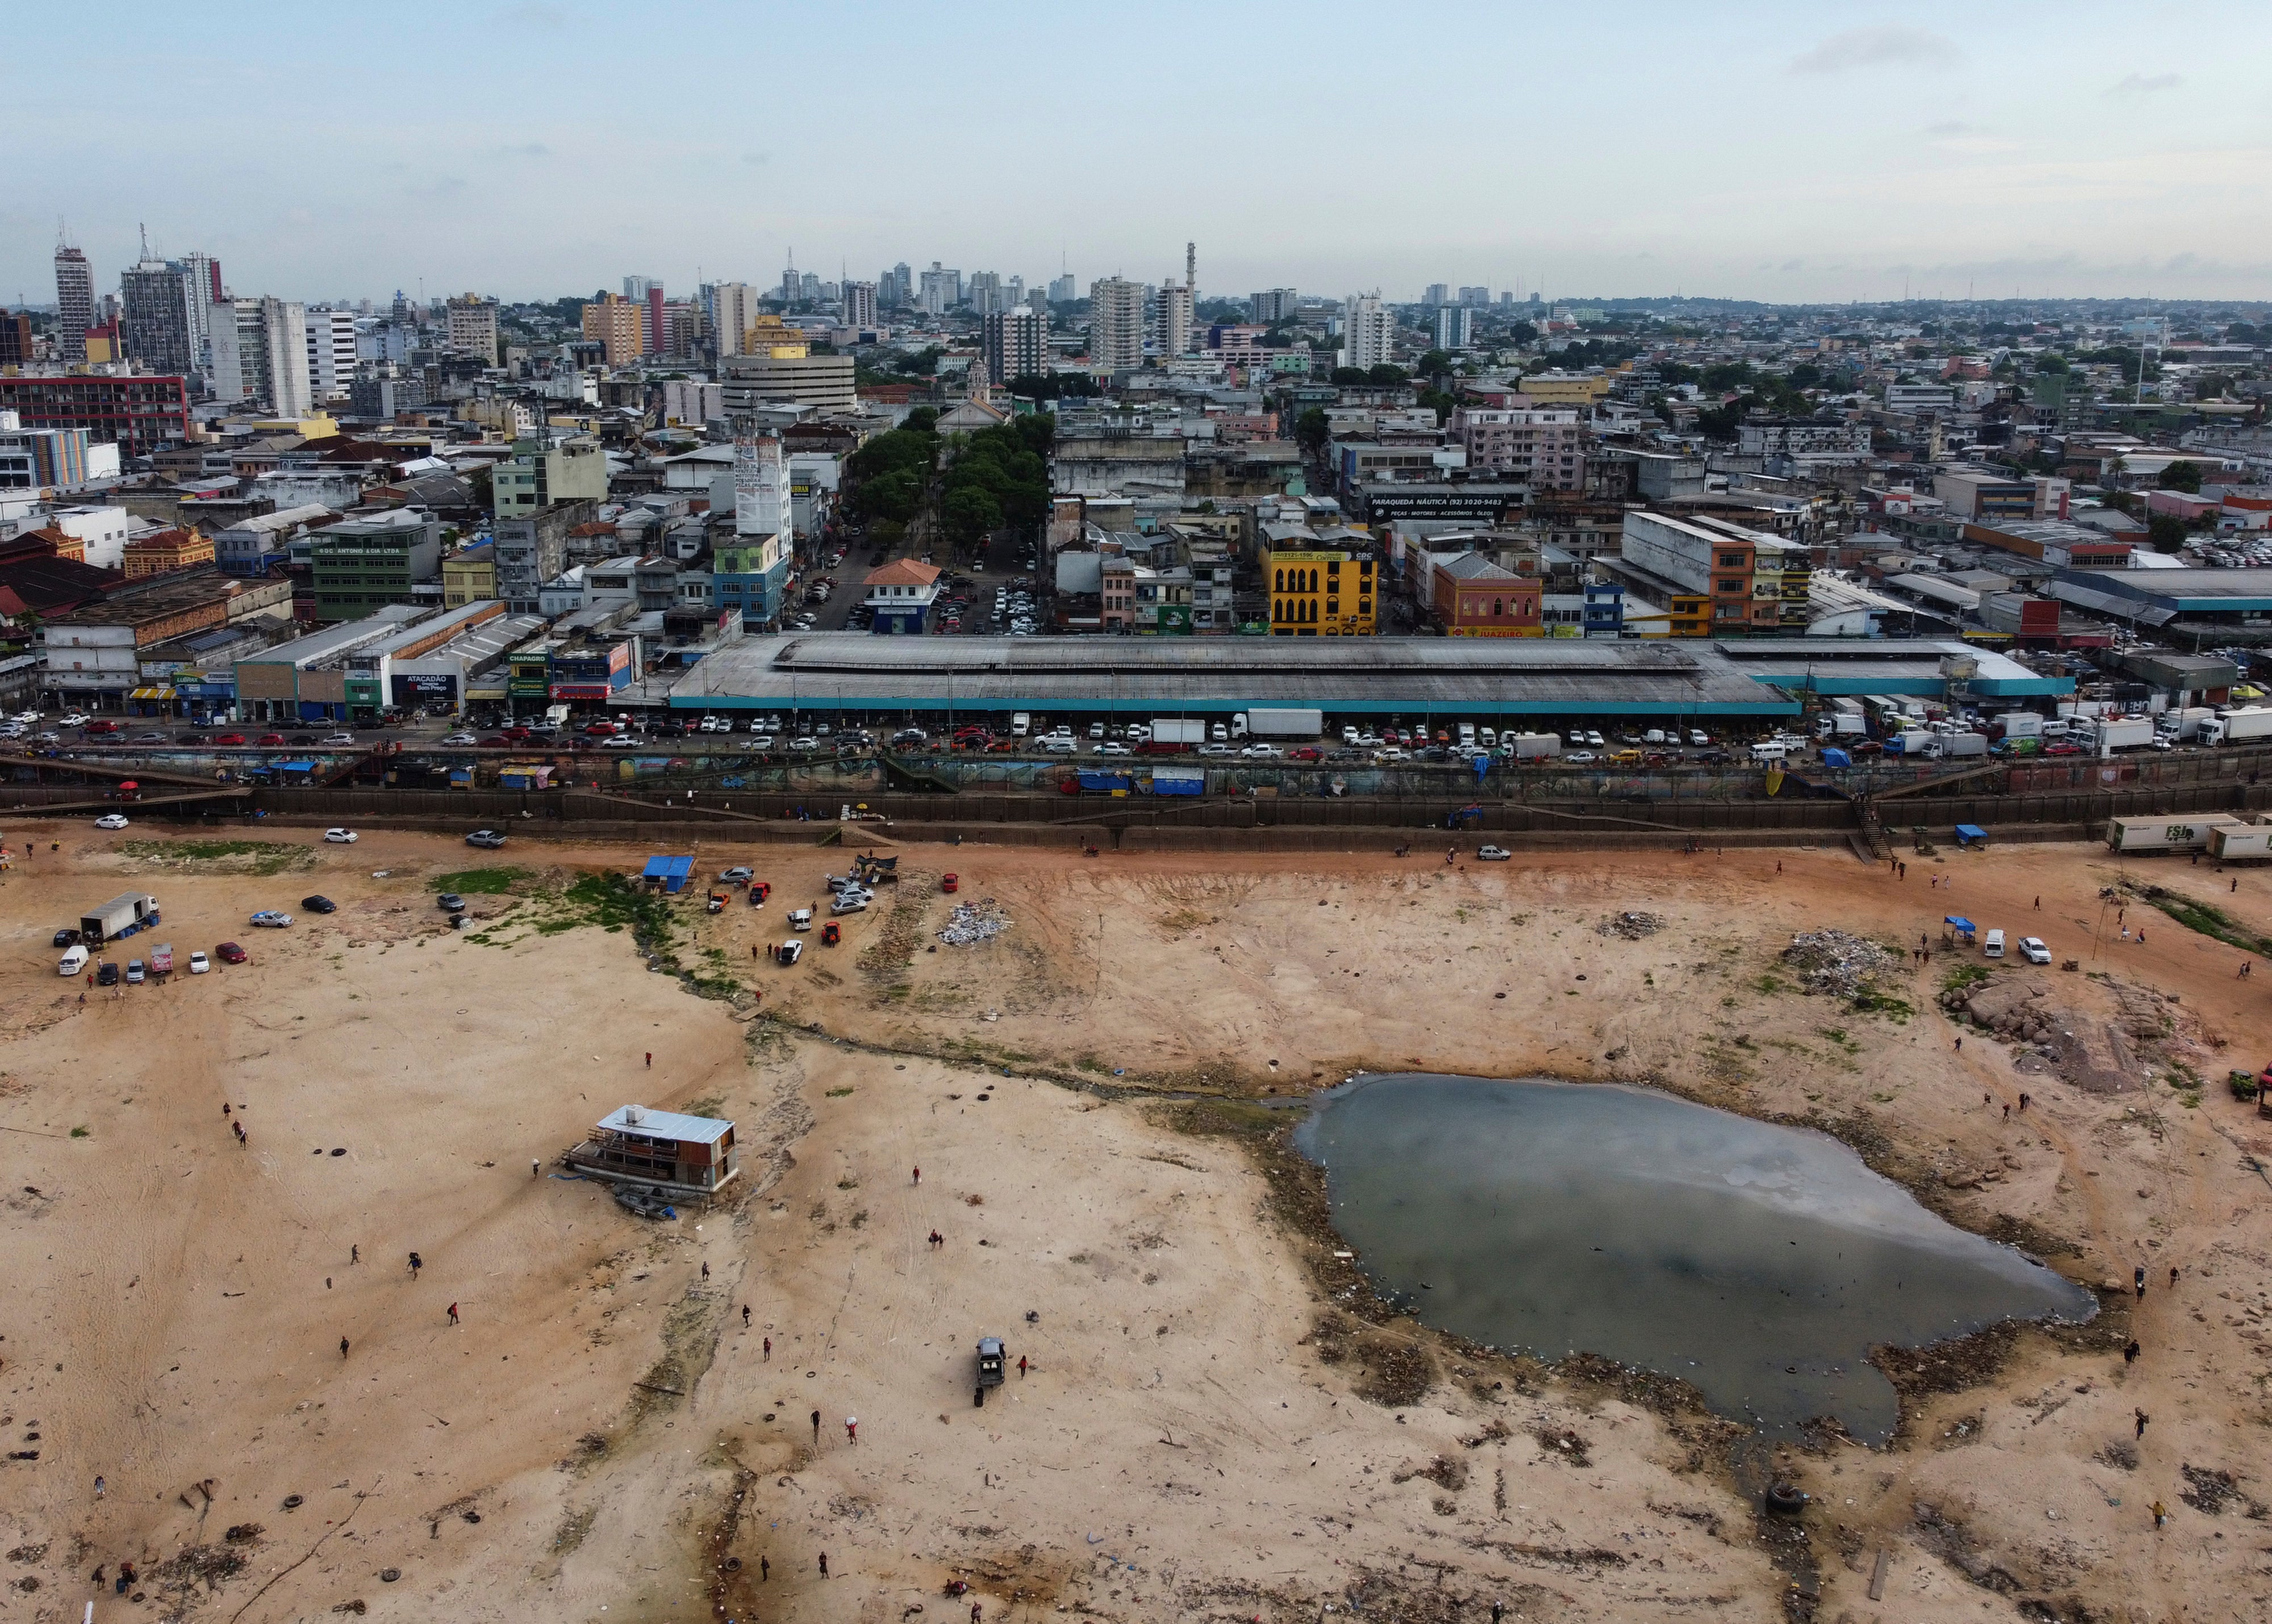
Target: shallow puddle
1759 1263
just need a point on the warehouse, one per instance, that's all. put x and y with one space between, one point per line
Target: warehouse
2187 607
983 677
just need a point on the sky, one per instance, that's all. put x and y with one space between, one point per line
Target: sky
1765 150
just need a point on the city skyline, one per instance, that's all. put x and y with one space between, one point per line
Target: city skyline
1781 156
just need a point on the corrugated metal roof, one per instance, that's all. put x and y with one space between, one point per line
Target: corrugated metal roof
666 1125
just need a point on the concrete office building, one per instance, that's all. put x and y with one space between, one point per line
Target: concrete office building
1276 304
614 326
545 469
260 353
1116 325
940 290
474 326
859 305
74 305
330 353
771 380
138 414
1175 328
163 321
733 312
532 547
1455 327
1013 343
1368 332
368 561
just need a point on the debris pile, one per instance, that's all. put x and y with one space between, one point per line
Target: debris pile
1837 963
1631 927
973 922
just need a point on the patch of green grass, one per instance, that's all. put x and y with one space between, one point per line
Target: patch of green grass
478 882
838 1093
2209 921
79 1133
254 857
1769 984
1875 1000
1963 976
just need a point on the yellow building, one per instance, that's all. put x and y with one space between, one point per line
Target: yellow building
771 337
614 324
165 552
469 575
1564 388
1321 593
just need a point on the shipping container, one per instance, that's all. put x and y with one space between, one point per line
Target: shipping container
2166 834
1285 723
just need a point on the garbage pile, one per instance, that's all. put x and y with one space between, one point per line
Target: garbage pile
1837 963
973 922
1631 927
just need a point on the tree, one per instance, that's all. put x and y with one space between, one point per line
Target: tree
1440 403
1311 430
478 482
1434 364
2184 476
1349 377
900 449
923 420
2051 360
966 515
2165 533
1522 333
892 495
921 363
1806 374
1385 376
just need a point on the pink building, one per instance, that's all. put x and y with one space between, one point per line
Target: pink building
657 335
1547 442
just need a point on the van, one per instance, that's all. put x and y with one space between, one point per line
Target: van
72 961
1993 948
1467 736
1020 724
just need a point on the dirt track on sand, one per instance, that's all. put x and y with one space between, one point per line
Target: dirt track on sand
1186 1443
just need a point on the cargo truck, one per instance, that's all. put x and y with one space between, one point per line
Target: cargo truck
1911 741
1841 725
2140 835
2236 842
1172 733
2235 726
1957 746
2118 733
1285 723
121 916
2181 725
1531 746
2018 725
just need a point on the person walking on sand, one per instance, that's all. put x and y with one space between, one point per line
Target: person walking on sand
2143 1418
816 1428
851 1429
454 1314
355 1253
2138 1279
2131 1352
975 1613
2173 1276
416 1263
705 1270
1959 1042
534 1167
745 1316
769 1350
2024 1097
823 1564
2039 904
650 1060
2161 1514
764 1570
343 1347
919 1175
1022 1367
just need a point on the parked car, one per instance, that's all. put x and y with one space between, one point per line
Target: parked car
229 953
271 741
67 937
269 919
200 964
229 738
1113 746
340 837
75 719
111 820
450 902
1492 853
457 739
149 738
487 839
137 972
2032 950
106 975
736 876
337 739
788 952
319 904
73 961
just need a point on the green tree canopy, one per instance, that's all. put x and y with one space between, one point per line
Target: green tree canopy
1311 431
2182 476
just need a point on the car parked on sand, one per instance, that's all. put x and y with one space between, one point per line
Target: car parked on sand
450 902
340 837
487 839
229 953
1492 853
111 820
269 919
200 964
2032 950
319 904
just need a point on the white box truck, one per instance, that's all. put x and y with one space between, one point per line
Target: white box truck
1911 741
2237 725
2119 733
1173 733
2181 724
1958 746
121 916
2019 725
1531 746
1285 723
2166 834
2233 842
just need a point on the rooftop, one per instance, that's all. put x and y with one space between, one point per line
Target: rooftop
665 1125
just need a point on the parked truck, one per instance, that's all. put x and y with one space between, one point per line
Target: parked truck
2182 723
1532 746
121 916
1910 741
2166 833
2118 733
2240 841
1285 723
2236 726
1170 733
1957 746
2018 725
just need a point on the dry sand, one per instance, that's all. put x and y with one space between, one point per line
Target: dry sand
1185 1445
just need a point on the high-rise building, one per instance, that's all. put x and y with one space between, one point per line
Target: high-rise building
733 312
984 293
859 305
1175 328
1455 327
1275 304
15 338
1012 343
634 288
1438 293
808 287
941 290
474 326
1368 332
614 324
164 317
1116 325
655 334
74 304
1474 297
1064 289
330 353
259 350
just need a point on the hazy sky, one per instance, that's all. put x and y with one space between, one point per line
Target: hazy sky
1761 150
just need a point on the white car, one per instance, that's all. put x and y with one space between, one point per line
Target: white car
1698 737
111 820
340 837
76 718
1593 739
619 742
807 743
1113 746
761 742
1579 756
268 919
461 738
1492 855
2032 950
1259 752
200 964
338 738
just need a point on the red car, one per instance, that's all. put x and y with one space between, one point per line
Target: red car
272 738
230 738
497 743
518 735
2062 747
1308 752
603 730
229 953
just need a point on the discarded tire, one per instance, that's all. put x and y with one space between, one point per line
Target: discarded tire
1784 1501
293 1502
388 1575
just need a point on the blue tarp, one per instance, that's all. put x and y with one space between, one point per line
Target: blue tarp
1178 781
1836 758
1962 925
1107 783
1967 833
671 871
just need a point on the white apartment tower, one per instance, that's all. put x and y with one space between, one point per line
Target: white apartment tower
1116 325
1367 331
330 353
859 304
1013 343
74 304
259 349
733 312
1175 319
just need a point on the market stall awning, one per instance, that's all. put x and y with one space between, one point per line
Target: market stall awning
151 693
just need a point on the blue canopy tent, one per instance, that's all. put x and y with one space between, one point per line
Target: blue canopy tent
1961 925
1970 834
670 873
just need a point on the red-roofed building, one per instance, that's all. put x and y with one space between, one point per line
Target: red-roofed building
900 594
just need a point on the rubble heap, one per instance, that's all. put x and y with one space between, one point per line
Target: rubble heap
1837 962
973 922
1631 927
